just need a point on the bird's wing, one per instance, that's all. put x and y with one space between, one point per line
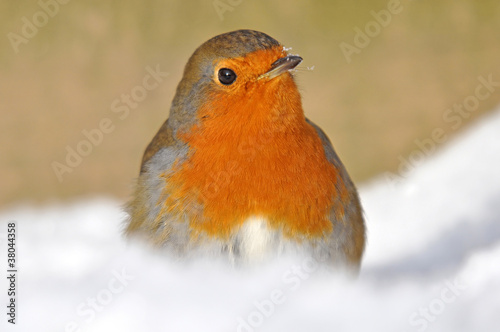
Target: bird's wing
164 138
331 155
350 232
159 157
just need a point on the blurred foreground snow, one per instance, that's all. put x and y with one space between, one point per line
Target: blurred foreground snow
432 264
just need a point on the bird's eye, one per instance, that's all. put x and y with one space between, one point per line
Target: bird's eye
226 76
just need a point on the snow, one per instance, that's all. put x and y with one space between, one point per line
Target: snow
432 263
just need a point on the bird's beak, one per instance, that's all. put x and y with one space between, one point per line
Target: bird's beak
281 66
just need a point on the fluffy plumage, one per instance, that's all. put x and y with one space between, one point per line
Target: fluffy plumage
238 170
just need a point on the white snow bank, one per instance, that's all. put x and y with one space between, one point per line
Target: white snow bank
432 264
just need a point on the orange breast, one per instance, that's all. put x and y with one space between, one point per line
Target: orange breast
253 154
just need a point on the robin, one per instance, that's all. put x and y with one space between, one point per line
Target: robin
238 170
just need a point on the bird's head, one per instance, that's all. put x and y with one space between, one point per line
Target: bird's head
243 76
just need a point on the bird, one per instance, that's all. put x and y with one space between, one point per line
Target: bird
238 171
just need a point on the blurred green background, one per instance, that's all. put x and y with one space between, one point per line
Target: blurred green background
65 78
